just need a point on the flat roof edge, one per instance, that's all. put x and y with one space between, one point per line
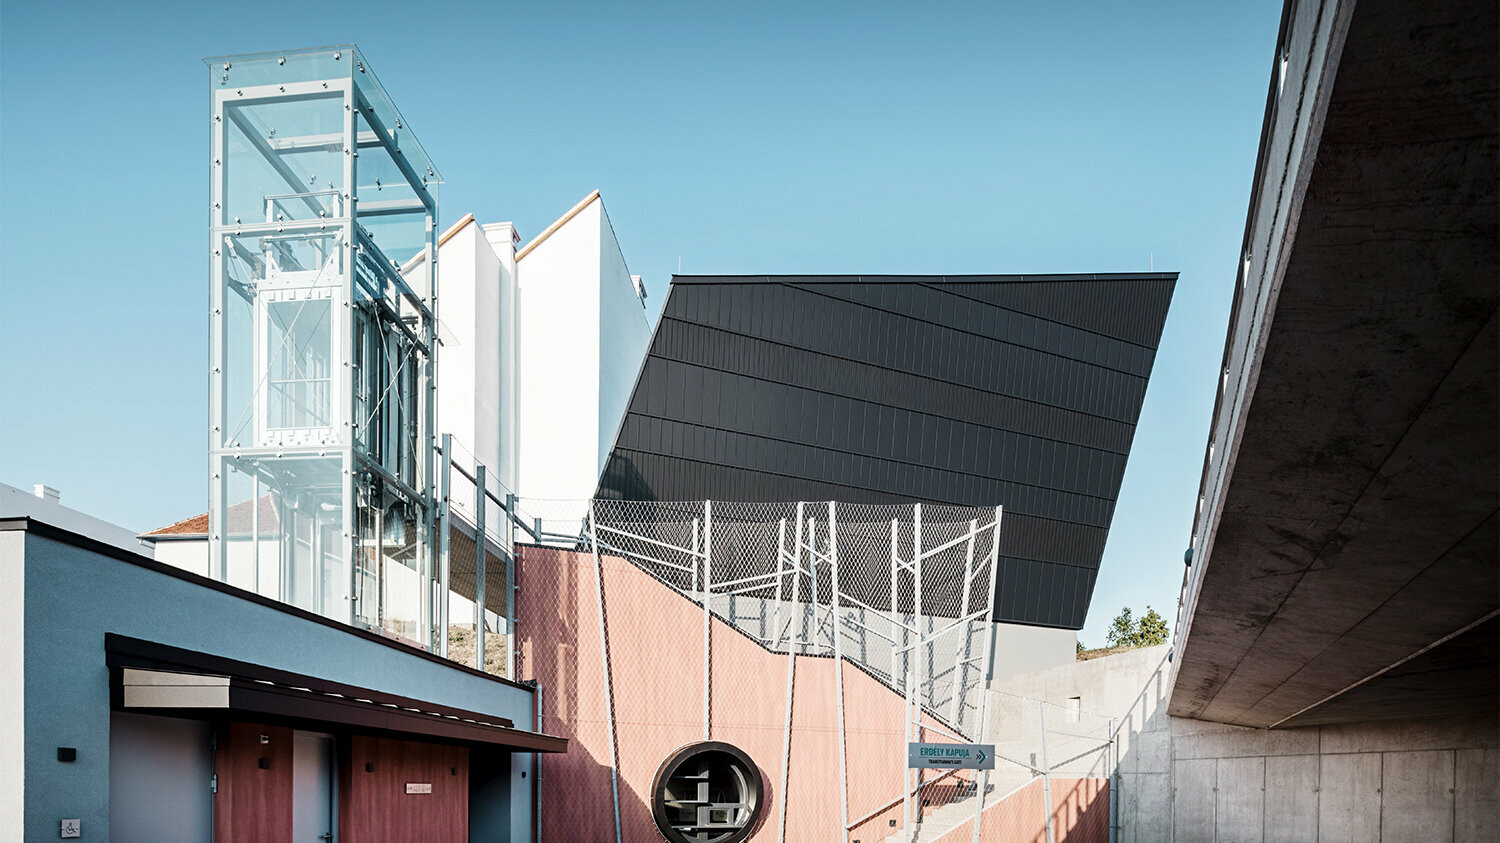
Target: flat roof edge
33 526
920 279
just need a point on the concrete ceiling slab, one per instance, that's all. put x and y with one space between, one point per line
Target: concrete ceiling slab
1358 524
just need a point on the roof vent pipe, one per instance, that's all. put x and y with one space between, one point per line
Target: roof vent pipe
46 492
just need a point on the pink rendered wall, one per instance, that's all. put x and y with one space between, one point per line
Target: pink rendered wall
655 646
1080 814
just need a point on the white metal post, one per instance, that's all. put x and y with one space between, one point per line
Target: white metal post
906 683
791 667
812 565
983 782
1041 710
708 580
444 572
838 664
923 666
350 212
255 528
536 766
780 584
961 669
510 587
609 685
479 548
1113 761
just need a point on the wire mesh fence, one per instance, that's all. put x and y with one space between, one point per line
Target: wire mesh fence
820 638
818 579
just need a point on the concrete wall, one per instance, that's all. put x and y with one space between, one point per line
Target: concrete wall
1189 780
1025 649
73 596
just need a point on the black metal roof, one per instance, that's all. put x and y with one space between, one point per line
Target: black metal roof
975 390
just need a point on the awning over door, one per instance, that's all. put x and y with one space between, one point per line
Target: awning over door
155 678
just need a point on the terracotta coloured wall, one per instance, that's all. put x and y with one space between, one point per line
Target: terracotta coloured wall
655 649
1080 814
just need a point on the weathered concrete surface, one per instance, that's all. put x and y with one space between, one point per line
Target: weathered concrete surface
1349 524
1178 779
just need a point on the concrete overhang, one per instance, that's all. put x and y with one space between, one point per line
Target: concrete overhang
1345 550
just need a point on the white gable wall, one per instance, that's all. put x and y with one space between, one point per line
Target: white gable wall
558 412
624 335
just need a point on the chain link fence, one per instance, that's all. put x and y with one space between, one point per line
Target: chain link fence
818 638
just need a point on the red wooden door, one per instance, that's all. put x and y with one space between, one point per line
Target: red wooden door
394 791
253 803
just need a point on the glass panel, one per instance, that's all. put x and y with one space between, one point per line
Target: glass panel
391 562
284 159
280 329
280 68
319 364
301 375
373 93
279 522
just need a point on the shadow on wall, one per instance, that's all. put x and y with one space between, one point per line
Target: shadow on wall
1434 779
1080 814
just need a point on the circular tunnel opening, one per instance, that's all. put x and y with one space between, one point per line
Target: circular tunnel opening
708 792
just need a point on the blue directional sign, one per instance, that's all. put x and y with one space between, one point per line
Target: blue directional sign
951 756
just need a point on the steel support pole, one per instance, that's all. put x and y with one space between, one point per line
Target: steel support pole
444 572
838 665
510 588
254 528
961 669
812 565
708 581
480 505
791 667
780 582
1041 711
609 685
536 768
923 665
350 212
1114 783
906 776
982 782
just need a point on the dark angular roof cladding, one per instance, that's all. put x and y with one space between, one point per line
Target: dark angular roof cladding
975 390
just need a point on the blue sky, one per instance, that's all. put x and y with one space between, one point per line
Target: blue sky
752 137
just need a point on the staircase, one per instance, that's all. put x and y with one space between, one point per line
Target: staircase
943 820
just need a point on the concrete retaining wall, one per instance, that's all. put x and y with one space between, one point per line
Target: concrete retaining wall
1188 780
